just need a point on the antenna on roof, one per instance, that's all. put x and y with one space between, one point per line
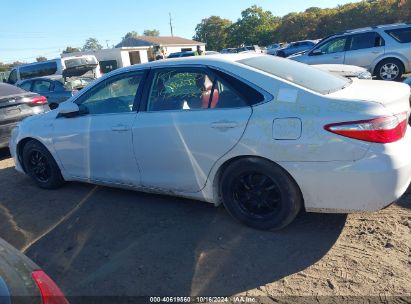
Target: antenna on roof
171 26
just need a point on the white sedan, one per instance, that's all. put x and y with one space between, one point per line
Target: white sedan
263 135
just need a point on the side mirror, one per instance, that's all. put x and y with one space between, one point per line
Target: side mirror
68 109
316 52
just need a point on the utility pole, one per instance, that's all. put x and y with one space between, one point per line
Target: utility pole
171 26
107 43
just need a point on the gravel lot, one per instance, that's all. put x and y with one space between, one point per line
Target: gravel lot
102 241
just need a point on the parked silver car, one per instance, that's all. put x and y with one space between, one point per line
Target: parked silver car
384 50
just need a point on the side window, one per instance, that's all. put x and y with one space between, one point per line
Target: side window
333 46
234 93
365 41
180 89
41 86
402 35
26 85
38 70
12 77
58 87
113 95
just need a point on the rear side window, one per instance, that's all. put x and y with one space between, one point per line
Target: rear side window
401 35
249 95
41 86
38 70
365 41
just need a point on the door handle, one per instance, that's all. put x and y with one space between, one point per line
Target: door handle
337 57
120 128
224 124
376 52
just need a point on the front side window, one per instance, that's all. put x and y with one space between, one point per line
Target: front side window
365 41
113 95
401 35
333 46
41 86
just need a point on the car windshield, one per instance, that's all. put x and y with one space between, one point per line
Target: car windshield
299 73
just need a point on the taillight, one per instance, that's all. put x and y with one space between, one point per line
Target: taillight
50 293
38 100
379 130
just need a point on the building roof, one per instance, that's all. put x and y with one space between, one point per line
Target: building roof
156 40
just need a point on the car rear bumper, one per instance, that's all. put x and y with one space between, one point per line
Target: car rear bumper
5 132
370 184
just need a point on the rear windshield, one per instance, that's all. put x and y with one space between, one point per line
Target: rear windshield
8 89
402 35
70 63
298 73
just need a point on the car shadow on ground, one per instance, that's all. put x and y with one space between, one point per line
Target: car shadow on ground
119 242
4 153
405 200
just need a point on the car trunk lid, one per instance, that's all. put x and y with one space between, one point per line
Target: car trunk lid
393 96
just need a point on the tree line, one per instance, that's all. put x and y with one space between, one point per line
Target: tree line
262 27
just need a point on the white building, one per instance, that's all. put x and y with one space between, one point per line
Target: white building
139 49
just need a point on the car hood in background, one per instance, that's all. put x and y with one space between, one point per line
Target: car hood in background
345 70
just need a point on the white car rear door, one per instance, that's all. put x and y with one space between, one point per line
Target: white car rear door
191 118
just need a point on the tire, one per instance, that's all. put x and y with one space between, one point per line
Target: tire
41 166
260 194
390 69
281 54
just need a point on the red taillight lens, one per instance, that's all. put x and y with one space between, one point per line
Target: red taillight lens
379 130
50 293
38 100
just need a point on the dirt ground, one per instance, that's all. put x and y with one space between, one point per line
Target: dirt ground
102 241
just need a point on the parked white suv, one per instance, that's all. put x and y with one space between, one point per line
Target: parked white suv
384 50
59 66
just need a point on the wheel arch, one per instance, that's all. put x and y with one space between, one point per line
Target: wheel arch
391 56
230 161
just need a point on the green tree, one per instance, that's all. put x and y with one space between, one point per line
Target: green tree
214 32
130 34
92 44
70 49
256 26
41 58
152 32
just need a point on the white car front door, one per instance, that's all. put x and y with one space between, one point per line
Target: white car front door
97 144
192 117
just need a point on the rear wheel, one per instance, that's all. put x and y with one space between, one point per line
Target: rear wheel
41 166
260 194
389 69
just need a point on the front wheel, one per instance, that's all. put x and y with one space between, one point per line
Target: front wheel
260 194
41 166
389 69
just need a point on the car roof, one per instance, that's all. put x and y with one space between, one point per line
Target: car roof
371 28
193 60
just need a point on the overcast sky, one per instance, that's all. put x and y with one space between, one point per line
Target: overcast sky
45 27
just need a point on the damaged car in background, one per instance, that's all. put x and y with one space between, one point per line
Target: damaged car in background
78 73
